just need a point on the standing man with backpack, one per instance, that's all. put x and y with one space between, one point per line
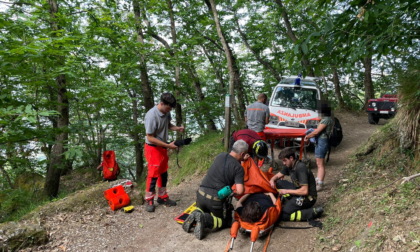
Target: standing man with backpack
322 132
157 122
257 115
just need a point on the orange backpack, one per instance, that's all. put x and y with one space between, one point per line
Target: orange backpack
110 168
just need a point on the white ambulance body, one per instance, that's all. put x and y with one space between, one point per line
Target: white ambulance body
294 106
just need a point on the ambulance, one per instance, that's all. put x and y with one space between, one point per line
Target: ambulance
293 103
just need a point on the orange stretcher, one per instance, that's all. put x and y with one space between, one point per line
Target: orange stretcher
256 181
273 134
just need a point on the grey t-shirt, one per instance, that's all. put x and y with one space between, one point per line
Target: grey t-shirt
256 114
225 171
157 124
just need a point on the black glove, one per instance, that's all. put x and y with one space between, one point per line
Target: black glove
182 142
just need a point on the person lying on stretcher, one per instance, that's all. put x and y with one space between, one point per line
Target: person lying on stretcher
251 207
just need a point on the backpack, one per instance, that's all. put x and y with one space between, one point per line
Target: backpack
335 137
110 168
336 134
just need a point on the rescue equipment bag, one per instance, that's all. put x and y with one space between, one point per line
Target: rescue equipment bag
110 168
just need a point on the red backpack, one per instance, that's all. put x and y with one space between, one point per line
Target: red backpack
110 168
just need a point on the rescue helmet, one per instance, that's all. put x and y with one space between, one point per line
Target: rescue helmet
260 149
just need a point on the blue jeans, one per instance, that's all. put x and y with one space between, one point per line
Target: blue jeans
321 148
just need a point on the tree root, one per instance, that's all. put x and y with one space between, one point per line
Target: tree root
407 179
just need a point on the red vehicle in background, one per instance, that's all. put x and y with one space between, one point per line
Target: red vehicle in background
384 107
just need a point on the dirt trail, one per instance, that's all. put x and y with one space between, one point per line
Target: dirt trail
103 230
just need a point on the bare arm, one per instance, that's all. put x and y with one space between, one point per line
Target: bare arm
316 132
302 191
239 189
275 178
241 201
176 128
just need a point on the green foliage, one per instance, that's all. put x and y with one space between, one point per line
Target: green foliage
374 194
97 48
410 86
16 203
195 158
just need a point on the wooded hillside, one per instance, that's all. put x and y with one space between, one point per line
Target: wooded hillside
78 76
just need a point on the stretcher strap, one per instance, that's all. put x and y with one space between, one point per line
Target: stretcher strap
227 248
267 241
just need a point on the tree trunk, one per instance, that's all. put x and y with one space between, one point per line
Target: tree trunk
148 100
6 175
367 81
200 97
57 162
178 108
337 89
239 102
138 146
230 66
306 64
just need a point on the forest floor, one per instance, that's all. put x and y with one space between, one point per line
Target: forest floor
97 228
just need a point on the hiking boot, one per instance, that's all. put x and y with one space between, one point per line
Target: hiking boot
166 201
318 211
189 222
199 226
150 206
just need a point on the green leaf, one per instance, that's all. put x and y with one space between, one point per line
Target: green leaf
28 109
304 48
296 50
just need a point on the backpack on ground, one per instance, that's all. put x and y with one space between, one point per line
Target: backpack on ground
335 137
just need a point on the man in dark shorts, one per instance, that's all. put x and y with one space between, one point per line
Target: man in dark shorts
214 211
157 123
298 196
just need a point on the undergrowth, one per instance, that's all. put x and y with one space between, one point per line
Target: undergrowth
372 210
195 158
16 203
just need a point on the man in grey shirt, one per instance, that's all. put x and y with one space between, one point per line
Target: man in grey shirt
257 115
157 122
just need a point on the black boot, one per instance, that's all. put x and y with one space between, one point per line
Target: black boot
318 212
190 221
150 207
199 225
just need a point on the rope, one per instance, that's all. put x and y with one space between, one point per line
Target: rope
177 151
177 162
